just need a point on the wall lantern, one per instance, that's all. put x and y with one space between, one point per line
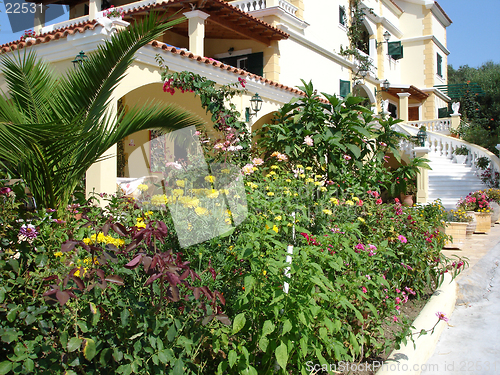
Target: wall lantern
387 36
385 85
422 136
79 59
256 104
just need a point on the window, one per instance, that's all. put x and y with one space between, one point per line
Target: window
439 65
443 112
342 17
345 88
252 63
395 50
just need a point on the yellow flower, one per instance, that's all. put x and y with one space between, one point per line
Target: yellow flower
334 201
210 179
355 199
100 237
224 191
213 194
77 272
308 168
270 193
272 173
322 188
200 211
178 192
288 180
289 225
274 167
361 219
180 183
264 272
327 212
59 254
299 166
158 200
317 183
349 203
148 213
307 180
143 187
295 194
278 218
319 177
87 241
302 175
226 171
140 224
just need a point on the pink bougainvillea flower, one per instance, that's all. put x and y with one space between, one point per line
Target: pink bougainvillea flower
364 289
242 82
5 190
372 247
378 201
402 238
442 316
360 203
308 141
398 300
395 318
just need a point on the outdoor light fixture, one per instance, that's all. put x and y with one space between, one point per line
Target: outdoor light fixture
256 104
387 36
79 59
230 51
421 136
385 85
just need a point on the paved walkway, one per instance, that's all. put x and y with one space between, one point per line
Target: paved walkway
470 345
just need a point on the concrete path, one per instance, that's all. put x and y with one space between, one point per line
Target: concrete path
470 344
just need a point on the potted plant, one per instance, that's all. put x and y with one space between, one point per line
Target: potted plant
494 202
114 13
477 202
461 154
456 226
28 36
404 180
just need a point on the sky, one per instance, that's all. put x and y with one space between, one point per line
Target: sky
473 37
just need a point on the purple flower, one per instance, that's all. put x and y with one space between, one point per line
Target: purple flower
50 210
28 231
359 246
409 290
5 190
402 239
442 316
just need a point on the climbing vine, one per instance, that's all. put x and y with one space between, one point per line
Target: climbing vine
355 33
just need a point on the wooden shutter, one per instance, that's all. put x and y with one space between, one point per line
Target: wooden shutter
345 88
395 50
439 65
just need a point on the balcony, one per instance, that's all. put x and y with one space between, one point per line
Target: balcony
259 5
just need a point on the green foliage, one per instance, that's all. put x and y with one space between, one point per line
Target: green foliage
348 143
404 178
54 128
482 112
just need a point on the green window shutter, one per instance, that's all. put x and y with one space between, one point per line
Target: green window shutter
443 112
395 50
256 63
439 65
342 17
345 88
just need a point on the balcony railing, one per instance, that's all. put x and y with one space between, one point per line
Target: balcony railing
74 21
441 125
253 5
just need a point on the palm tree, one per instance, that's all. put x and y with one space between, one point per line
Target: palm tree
53 128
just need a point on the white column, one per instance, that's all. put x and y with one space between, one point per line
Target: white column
39 18
94 8
196 31
403 105
101 176
423 176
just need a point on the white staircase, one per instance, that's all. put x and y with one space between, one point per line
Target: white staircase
450 181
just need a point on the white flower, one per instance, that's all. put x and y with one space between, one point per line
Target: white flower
257 161
248 169
219 146
308 141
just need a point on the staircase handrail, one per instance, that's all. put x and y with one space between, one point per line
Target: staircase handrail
441 125
446 145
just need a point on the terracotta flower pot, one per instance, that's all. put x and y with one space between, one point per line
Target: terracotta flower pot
407 200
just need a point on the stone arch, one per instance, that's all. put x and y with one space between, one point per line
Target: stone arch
362 90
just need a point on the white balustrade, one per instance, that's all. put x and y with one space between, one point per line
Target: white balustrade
253 5
100 14
444 146
441 125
